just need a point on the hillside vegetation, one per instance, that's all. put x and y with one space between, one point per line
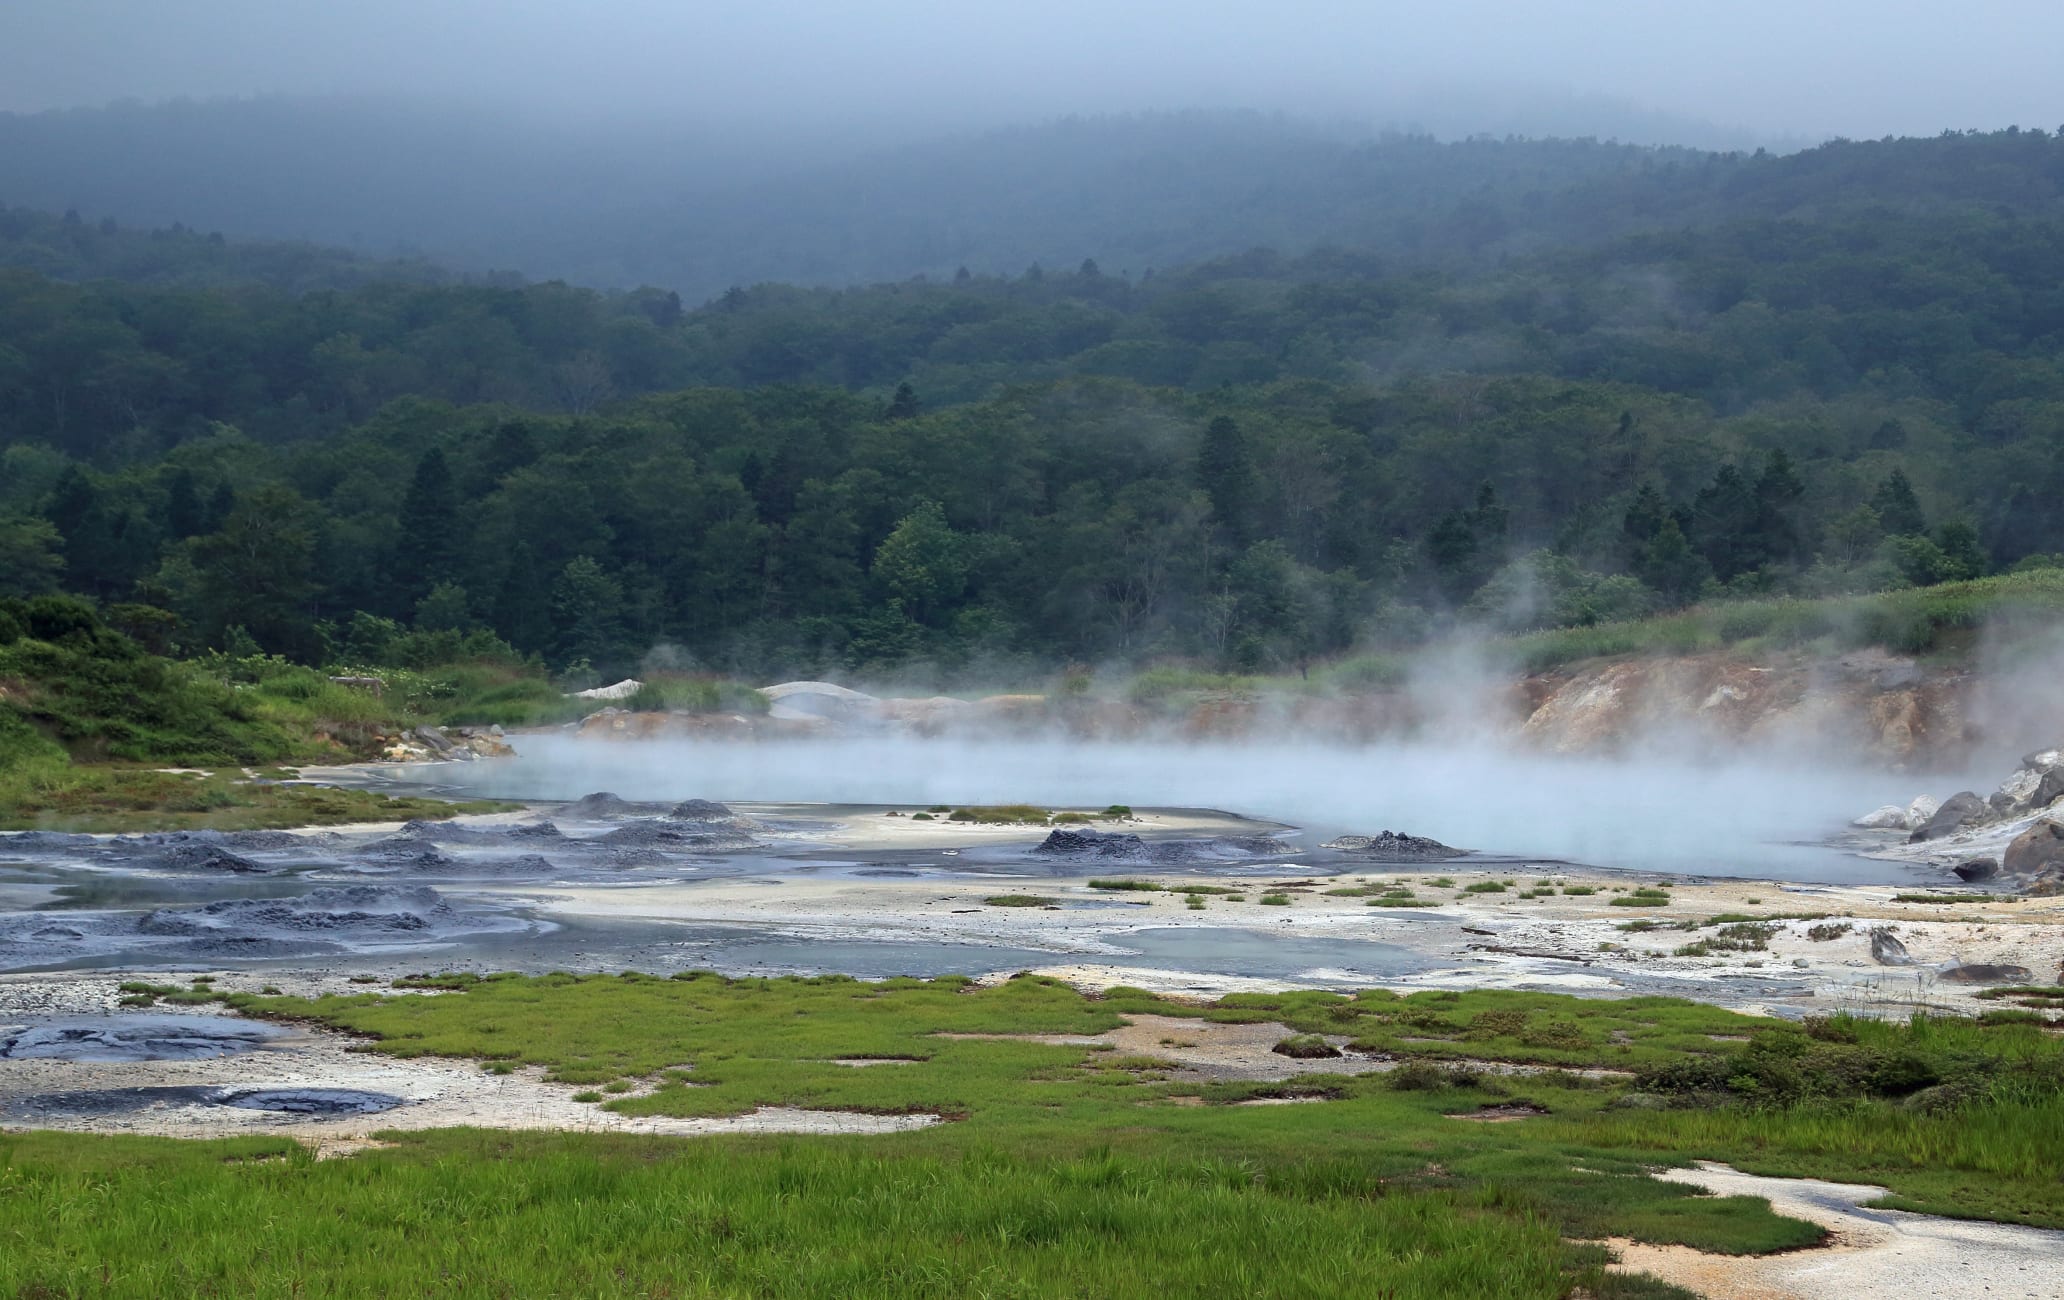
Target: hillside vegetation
1832 375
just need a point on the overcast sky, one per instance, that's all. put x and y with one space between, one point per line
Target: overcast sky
1799 67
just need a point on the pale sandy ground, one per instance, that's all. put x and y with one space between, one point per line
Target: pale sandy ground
1872 1253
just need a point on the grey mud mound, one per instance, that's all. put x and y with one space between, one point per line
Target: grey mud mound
1395 846
45 842
350 908
203 855
1086 844
652 833
311 1103
600 806
699 810
127 1039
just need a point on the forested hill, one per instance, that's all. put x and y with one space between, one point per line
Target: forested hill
1256 460
68 247
625 205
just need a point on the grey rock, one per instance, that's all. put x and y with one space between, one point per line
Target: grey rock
1887 950
1964 808
2035 850
1973 870
2051 789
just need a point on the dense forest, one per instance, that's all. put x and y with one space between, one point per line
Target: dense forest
1834 372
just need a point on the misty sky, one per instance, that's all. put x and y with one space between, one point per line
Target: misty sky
1800 67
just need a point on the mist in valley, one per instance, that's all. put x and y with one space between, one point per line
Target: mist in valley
696 148
1752 815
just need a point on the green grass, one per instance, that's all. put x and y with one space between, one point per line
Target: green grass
1131 886
1068 1173
1644 897
1020 900
1951 898
1014 814
1275 900
1484 887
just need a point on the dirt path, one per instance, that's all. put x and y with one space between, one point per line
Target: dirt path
1872 1253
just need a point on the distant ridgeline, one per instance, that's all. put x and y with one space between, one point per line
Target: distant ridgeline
1826 373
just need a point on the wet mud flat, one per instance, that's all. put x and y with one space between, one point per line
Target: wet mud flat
602 882
79 1062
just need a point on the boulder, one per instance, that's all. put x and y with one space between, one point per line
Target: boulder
2049 790
2036 849
1921 809
1887 950
1964 808
1973 870
1889 818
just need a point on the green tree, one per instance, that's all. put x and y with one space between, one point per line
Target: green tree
587 613
1225 470
257 572
922 564
29 561
1899 510
427 549
445 609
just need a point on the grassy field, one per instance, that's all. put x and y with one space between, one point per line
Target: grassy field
1065 1170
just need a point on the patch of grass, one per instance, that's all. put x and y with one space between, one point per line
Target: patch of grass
1579 891
1019 900
121 799
1014 814
1484 887
1275 900
1949 898
1747 936
1643 897
1128 886
1823 933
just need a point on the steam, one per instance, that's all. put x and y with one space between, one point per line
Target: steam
1743 818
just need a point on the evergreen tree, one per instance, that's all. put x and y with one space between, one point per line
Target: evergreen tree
904 405
427 550
1225 470
523 606
184 514
587 613
1899 510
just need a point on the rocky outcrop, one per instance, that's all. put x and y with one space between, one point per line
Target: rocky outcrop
1878 706
428 744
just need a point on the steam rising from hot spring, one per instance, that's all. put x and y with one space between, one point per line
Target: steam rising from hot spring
1759 818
